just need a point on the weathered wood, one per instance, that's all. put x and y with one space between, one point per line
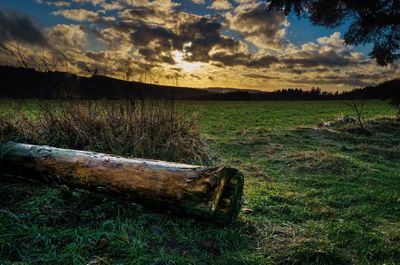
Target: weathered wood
209 193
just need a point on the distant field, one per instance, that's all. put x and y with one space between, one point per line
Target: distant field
225 118
312 196
237 115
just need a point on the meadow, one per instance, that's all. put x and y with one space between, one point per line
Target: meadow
313 195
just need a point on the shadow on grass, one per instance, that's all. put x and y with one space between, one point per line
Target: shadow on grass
56 225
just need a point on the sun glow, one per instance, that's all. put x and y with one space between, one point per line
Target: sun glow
186 66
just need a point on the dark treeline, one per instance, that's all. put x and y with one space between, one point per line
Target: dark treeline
386 90
22 83
281 94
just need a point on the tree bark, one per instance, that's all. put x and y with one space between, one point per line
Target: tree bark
214 194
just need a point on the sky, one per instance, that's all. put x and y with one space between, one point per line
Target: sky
194 43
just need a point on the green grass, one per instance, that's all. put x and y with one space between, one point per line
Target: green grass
312 196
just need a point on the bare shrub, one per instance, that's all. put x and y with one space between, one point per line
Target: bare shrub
147 129
357 106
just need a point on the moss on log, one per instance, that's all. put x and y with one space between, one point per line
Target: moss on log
213 194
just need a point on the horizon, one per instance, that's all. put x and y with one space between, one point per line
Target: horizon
215 89
198 44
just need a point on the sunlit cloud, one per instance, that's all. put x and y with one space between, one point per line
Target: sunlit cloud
187 67
220 5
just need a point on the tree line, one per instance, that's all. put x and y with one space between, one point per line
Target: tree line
25 83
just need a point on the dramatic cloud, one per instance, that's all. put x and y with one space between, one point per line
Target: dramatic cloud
204 34
15 26
194 36
263 28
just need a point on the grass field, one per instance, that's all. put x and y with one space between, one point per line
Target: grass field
312 196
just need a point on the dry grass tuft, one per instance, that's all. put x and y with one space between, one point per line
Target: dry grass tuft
147 129
320 162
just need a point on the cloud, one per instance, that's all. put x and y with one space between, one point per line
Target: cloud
315 58
82 15
258 76
263 61
246 1
112 6
55 3
195 76
327 51
160 5
333 40
93 2
15 26
195 36
68 38
327 80
199 1
204 34
142 15
96 56
143 34
77 14
264 28
243 59
220 5
199 38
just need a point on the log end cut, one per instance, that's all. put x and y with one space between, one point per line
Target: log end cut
231 199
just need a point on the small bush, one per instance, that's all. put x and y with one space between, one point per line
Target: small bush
146 129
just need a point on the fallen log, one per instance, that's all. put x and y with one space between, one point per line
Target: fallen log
214 194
